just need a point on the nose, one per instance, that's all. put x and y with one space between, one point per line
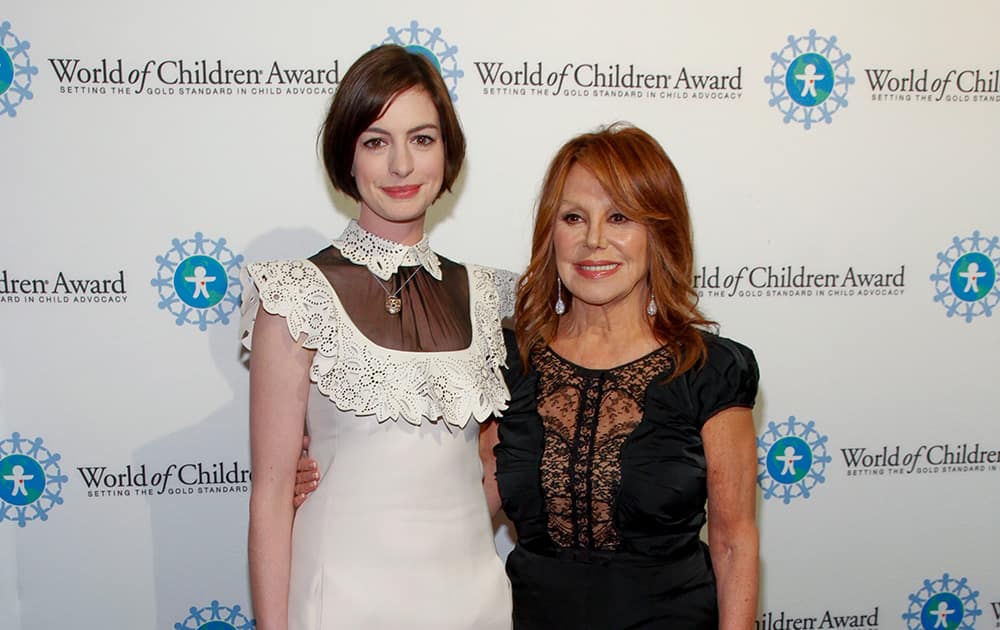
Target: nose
595 235
400 160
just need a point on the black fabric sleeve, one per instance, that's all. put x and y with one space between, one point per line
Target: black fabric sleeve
727 379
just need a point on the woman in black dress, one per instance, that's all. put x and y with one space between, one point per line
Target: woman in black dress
626 415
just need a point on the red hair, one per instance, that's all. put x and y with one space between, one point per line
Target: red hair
634 170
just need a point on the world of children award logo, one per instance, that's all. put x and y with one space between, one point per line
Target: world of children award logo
198 281
809 79
792 458
16 71
31 480
965 279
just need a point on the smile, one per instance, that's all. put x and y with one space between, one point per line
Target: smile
596 269
401 192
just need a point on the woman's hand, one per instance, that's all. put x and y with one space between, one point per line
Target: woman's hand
306 475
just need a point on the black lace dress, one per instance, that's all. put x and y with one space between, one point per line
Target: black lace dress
603 474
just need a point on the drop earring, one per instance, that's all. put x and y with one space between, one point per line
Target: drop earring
560 307
651 308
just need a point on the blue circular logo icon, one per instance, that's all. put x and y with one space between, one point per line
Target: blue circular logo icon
429 43
965 280
16 71
22 479
972 277
31 480
809 79
200 281
943 604
216 617
789 459
943 611
6 71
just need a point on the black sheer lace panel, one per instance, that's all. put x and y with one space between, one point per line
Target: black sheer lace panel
587 416
435 314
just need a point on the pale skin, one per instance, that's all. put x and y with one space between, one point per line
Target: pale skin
602 259
398 168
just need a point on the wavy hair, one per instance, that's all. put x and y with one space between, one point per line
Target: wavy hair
635 172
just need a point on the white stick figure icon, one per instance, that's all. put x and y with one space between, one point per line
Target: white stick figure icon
972 276
809 79
18 477
788 459
200 280
942 613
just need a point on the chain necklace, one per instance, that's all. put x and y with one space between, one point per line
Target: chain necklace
394 303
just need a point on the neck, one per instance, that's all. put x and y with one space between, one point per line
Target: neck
607 335
402 232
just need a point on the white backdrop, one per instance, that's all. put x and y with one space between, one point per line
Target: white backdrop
137 136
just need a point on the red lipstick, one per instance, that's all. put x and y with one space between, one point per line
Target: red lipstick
401 192
596 269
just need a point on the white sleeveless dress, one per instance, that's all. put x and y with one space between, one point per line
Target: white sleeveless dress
398 534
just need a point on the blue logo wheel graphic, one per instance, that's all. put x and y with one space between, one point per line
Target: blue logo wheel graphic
943 604
216 617
429 43
965 280
31 480
198 280
809 79
791 460
16 71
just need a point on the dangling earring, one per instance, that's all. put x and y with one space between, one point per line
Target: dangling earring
651 309
560 307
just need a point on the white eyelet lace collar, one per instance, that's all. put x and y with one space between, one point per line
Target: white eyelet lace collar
384 257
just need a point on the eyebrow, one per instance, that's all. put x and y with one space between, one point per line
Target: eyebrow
408 131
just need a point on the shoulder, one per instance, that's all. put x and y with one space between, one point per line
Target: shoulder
284 277
521 382
499 282
294 289
329 257
724 354
727 377
514 362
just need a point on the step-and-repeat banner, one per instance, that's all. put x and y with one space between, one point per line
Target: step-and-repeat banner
840 160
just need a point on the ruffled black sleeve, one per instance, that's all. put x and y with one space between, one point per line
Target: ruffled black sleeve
727 379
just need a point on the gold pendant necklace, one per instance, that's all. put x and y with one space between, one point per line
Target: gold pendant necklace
394 303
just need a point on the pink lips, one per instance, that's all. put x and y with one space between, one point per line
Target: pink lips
401 192
596 269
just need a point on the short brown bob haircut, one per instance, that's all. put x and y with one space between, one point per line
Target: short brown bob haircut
366 91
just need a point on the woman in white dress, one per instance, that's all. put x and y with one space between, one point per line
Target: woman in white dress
391 355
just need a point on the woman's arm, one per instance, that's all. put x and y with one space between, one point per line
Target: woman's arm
731 454
488 438
279 388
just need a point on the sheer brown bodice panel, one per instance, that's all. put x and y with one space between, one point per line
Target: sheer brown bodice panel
435 314
587 415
